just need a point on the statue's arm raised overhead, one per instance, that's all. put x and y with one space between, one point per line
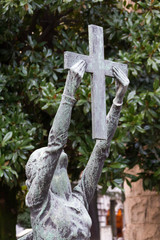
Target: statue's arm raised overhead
92 172
42 163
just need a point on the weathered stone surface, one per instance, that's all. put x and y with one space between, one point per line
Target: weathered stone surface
142 212
142 232
135 210
154 213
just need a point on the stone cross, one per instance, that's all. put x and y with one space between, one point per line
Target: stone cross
99 67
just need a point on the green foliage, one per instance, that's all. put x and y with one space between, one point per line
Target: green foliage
16 137
34 35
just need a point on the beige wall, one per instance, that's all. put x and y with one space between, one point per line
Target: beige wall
142 212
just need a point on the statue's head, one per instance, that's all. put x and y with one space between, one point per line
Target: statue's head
60 180
32 165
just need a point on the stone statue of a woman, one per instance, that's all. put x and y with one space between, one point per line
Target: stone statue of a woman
57 211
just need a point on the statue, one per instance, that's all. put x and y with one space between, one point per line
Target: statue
57 211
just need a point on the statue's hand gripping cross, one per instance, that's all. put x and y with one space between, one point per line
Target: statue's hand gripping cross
100 68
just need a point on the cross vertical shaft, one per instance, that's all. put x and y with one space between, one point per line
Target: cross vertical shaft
98 95
96 42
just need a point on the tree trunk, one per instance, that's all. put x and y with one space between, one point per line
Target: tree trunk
95 230
113 218
8 213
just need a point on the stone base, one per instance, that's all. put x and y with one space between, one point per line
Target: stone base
142 212
142 232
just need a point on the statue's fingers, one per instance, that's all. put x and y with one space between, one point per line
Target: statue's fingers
82 66
118 77
126 83
82 70
116 72
79 68
124 79
121 76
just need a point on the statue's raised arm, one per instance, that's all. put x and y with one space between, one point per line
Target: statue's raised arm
92 172
42 163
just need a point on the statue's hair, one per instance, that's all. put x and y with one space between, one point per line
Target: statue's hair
31 166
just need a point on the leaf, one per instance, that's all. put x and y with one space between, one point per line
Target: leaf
30 9
105 169
24 71
144 5
81 102
153 113
7 137
46 106
148 18
134 72
14 157
54 76
128 183
24 157
29 147
156 84
157 126
124 2
140 129
118 185
131 95
157 173
1 173
2 159
132 177
86 108
22 2
49 53
118 165
154 66
6 177
31 42
149 61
